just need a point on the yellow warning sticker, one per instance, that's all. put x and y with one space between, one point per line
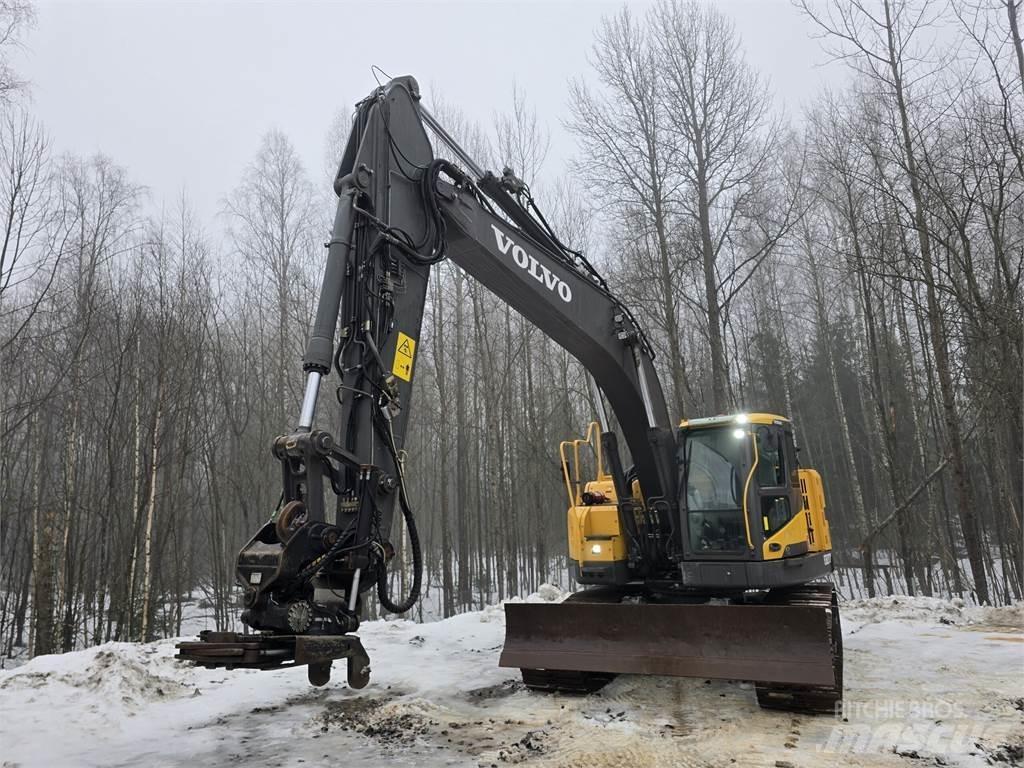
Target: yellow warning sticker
405 351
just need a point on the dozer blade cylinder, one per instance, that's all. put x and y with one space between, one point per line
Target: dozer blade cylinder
778 644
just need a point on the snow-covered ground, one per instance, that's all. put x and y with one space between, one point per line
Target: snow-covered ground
928 682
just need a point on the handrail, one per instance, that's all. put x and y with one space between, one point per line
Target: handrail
746 491
573 483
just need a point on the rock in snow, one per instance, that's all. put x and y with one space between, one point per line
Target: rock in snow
928 682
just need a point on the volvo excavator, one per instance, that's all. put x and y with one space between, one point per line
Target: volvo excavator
708 555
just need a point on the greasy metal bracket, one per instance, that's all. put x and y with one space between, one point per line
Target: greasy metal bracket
232 650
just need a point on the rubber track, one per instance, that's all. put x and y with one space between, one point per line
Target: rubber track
565 681
818 700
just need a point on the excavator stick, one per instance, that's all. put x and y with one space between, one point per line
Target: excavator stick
793 651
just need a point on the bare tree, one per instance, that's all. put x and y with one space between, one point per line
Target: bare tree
721 113
630 159
16 16
522 142
271 217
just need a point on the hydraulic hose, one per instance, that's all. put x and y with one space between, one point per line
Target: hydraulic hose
417 560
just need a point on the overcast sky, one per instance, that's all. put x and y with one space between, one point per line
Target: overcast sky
181 92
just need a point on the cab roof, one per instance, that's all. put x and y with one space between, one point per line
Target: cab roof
734 418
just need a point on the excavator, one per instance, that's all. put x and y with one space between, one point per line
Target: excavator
707 556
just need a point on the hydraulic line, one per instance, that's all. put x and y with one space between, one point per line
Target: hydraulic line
414 543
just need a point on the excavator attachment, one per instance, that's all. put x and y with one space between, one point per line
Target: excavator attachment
792 650
231 650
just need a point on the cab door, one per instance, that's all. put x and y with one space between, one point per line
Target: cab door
777 502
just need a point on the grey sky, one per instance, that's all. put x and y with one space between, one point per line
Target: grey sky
181 92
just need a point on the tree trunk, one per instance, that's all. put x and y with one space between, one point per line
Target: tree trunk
147 563
719 375
1011 14
44 528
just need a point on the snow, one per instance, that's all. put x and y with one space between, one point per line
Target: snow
927 680
954 611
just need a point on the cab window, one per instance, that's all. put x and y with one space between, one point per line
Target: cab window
771 458
775 513
713 465
773 479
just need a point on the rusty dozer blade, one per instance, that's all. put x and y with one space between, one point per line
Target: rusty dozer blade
232 650
761 643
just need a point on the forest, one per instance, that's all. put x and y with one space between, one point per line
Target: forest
855 265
